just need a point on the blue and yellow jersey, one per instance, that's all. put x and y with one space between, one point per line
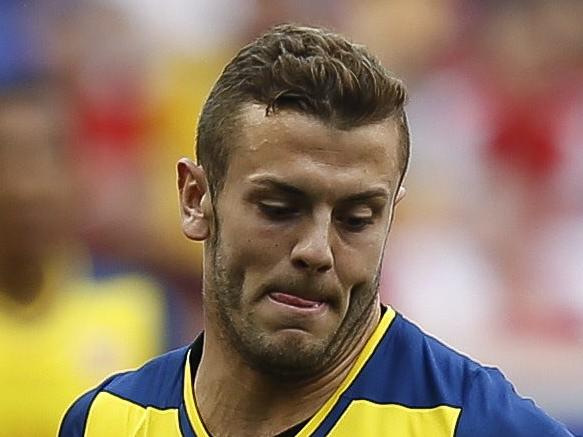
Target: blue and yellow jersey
404 384
75 334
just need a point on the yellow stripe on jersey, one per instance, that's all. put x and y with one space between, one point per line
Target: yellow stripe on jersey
124 418
189 400
362 359
366 418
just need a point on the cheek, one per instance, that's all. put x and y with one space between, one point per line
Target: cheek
359 263
255 260
253 246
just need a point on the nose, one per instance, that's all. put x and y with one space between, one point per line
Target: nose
312 252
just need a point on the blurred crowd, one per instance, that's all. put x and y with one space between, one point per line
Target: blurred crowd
99 99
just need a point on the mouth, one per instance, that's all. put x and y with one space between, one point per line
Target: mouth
295 301
303 309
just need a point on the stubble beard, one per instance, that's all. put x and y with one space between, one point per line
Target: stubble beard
293 357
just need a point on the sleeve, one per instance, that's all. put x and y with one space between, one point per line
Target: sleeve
493 408
74 422
75 419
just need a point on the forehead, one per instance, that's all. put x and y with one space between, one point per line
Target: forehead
298 146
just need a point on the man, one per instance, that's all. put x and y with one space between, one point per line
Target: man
302 148
61 330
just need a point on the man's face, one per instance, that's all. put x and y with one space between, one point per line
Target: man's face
35 193
301 224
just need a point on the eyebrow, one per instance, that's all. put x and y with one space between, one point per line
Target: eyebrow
285 187
367 195
271 182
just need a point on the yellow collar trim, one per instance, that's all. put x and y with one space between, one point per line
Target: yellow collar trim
362 359
191 410
322 413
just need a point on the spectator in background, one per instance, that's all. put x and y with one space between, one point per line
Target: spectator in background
129 135
61 330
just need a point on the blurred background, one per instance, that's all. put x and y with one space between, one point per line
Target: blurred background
99 99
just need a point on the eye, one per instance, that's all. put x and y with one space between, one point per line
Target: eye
356 220
356 224
277 211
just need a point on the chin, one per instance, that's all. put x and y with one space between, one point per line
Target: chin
286 353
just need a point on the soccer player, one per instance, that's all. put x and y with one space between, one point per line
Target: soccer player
302 148
61 330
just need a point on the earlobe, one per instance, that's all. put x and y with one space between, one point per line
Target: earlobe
193 192
400 194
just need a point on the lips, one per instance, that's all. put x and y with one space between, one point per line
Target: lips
294 301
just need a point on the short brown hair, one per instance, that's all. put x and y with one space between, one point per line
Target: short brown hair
308 69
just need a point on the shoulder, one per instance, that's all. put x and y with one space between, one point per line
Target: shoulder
119 287
75 419
493 407
489 404
421 362
117 296
158 385
100 315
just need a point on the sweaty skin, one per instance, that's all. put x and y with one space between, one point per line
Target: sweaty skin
294 244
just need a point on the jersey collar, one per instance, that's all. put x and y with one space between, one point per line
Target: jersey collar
195 353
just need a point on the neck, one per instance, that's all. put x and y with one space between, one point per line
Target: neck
21 277
235 399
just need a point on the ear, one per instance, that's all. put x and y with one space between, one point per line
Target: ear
195 208
400 194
